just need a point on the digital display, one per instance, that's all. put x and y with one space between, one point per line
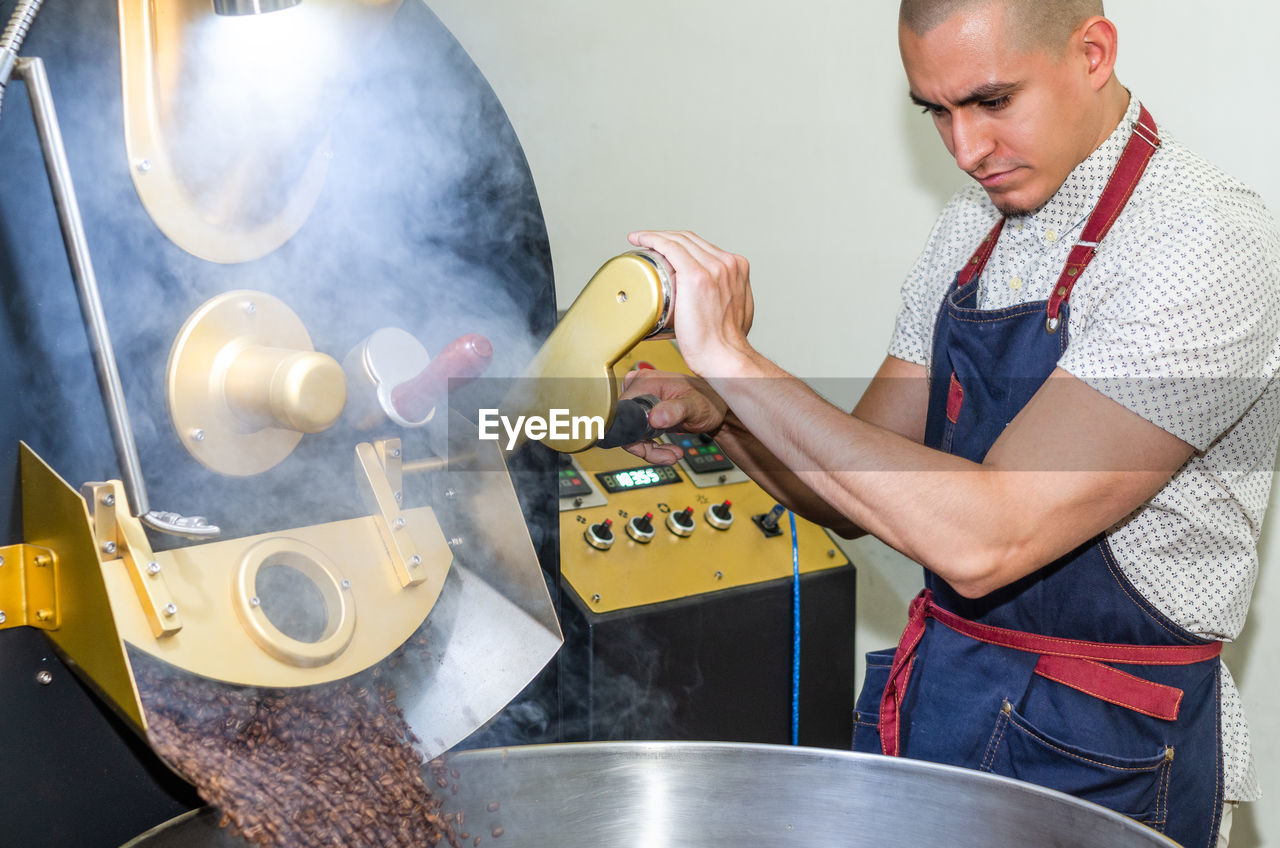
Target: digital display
638 478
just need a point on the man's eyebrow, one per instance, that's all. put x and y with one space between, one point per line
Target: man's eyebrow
983 93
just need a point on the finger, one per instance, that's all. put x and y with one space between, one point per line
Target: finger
654 453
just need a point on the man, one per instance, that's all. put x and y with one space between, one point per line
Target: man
1114 329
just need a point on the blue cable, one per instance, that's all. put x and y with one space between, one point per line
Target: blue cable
795 633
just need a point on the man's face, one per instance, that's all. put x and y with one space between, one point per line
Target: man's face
1013 118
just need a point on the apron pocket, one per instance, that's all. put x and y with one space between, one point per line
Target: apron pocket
1135 787
866 711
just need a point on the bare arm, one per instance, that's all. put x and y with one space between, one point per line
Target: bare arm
895 400
1082 460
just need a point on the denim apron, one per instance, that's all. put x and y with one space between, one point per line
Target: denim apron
1067 678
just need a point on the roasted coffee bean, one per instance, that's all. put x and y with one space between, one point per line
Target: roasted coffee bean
496 832
329 765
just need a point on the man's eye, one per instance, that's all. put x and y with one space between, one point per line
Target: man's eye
935 111
996 104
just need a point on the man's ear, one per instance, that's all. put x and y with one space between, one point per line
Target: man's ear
1099 40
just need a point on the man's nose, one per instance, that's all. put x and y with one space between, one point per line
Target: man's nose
970 141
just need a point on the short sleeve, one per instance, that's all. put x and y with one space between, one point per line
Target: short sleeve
1188 336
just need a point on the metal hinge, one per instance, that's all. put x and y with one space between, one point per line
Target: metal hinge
29 588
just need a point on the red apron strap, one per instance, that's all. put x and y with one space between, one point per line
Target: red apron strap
1075 662
973 268
1124 179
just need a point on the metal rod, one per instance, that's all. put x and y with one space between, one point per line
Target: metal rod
15 32
73 236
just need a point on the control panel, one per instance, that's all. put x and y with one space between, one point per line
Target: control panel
633 533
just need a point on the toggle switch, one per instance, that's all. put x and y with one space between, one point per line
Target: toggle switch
720 516
640 528
682 523
600 536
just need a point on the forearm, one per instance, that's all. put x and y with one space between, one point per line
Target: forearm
966 522
783 484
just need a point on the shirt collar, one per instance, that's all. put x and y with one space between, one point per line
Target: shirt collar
1071 205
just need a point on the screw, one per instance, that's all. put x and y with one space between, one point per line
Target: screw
723 477
831 552
108 547
3 617
415 561
395 453
170 610
250 307
44 678
255 601
197 435
346 584
577 501
398 523
108 500
153 568
399 496
1 560
719 575
595 599
143 165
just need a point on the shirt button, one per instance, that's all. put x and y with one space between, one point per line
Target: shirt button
1051 235
1015 283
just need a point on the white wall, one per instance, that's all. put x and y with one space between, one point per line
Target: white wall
783 132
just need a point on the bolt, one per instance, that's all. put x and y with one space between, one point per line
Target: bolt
250 307
197 435
44 678
595 599
723 477
395 453
108 547
415 561
398 523
1 560
719 575
108 500
831 552
399 496
170 610
577 501
153 568
3 617
143 165
255 601
346 584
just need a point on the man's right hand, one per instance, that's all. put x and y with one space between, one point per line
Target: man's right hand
685 403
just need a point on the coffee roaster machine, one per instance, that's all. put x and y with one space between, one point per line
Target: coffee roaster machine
250 253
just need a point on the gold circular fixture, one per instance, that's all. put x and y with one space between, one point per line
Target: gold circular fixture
244 383
311 563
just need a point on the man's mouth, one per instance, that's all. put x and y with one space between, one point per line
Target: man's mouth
995 179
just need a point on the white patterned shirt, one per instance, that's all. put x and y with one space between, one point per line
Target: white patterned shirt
1177 319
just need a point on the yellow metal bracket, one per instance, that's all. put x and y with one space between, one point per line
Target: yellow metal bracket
379 476
29 588
121 542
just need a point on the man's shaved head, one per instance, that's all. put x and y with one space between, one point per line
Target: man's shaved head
1035 24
